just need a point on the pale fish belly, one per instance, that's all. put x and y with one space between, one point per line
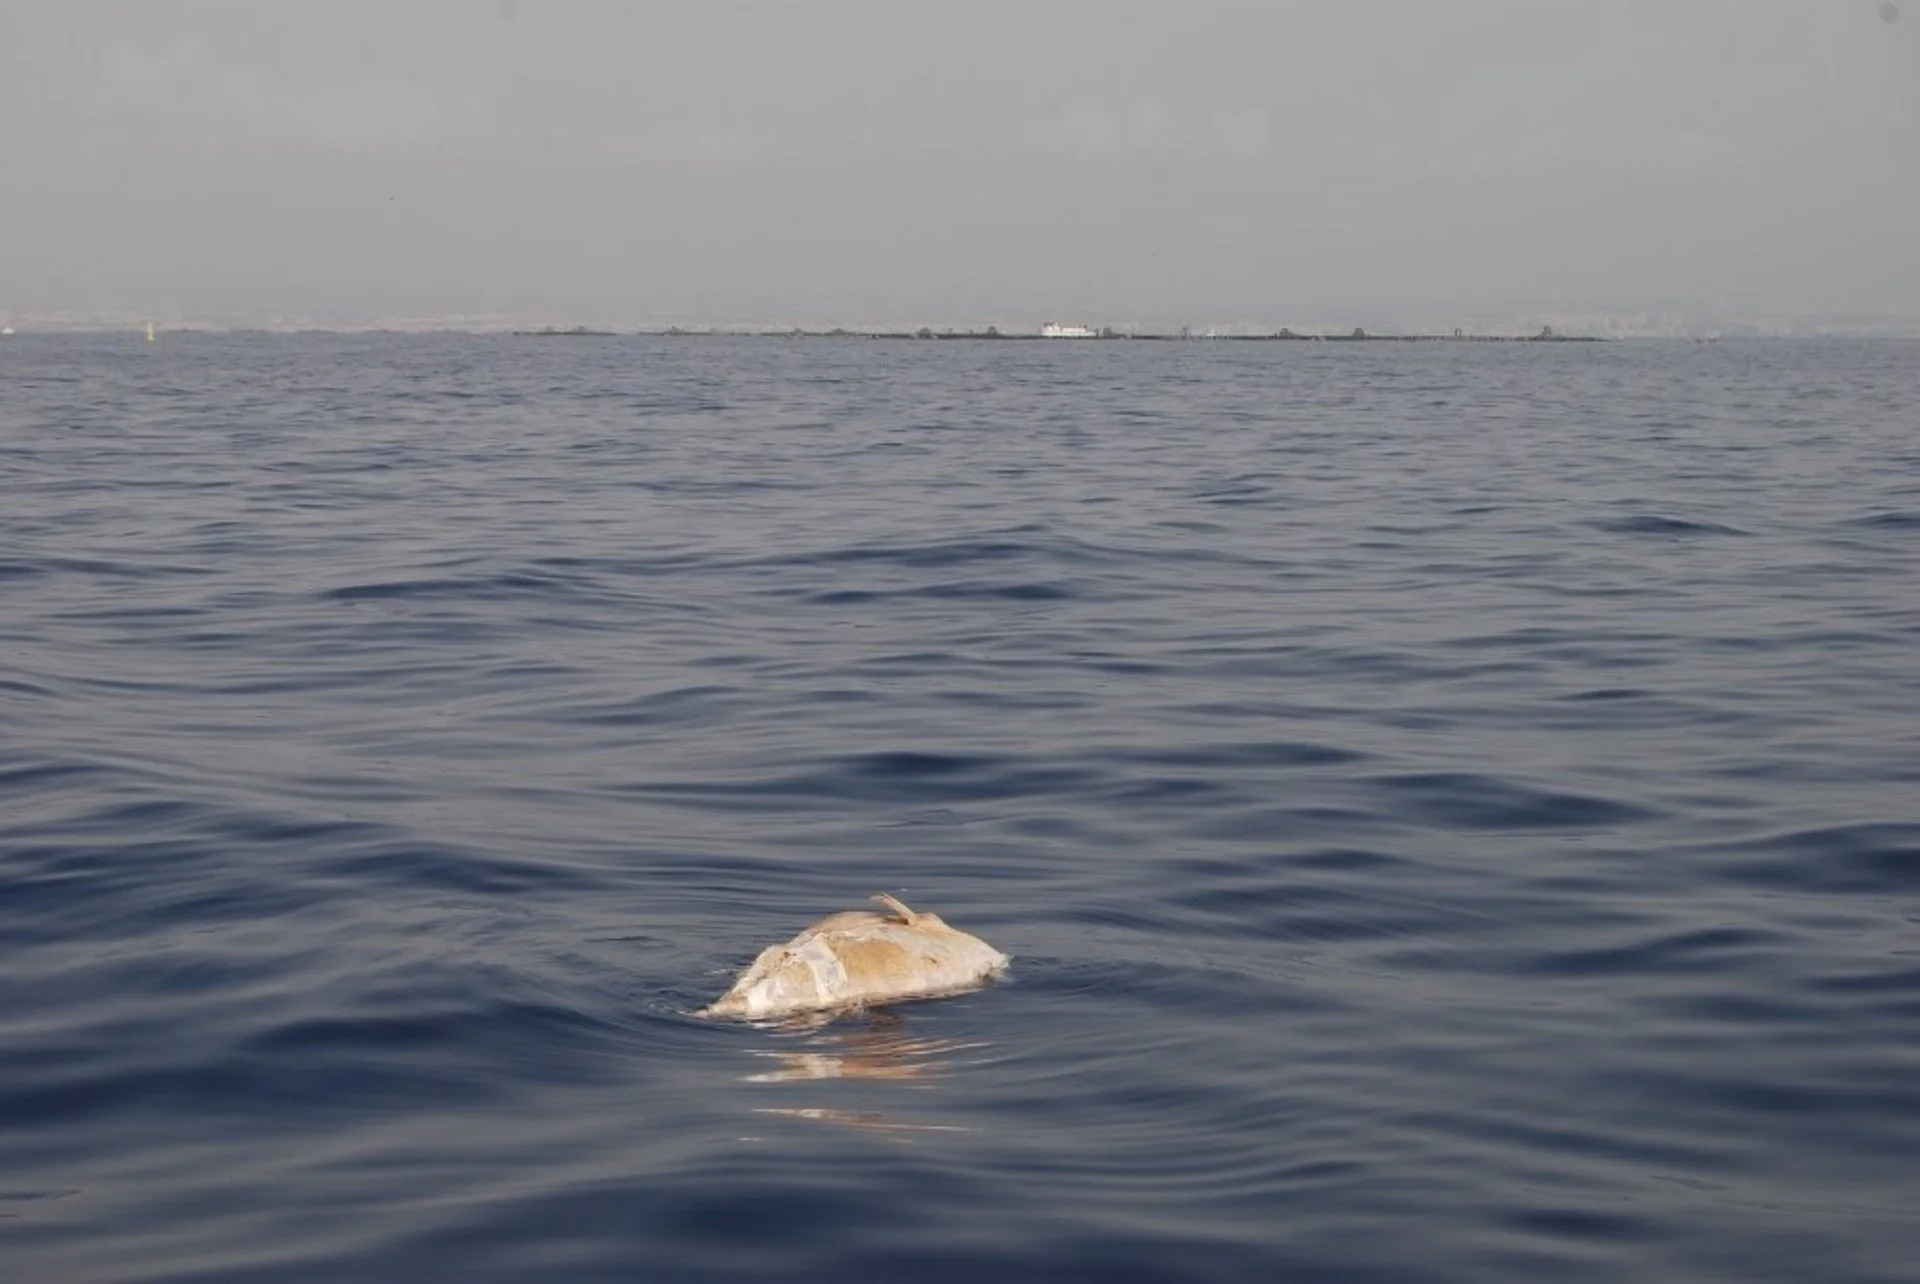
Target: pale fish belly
857 959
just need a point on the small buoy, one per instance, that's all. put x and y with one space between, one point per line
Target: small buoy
857 958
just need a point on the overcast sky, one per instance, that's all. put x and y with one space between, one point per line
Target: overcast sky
703 160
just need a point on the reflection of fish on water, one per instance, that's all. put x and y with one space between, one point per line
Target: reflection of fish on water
878 1049
851 960
856 1119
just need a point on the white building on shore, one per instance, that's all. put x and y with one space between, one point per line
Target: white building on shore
1055 330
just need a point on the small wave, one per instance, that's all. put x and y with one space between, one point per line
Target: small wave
1649 524
1702 950
1880 858
678 706
443 869
932 555
1597 1226
909 778
1038 592
1464 800
505 584
268 1081
1227 756
1889 521
1609 694
34 777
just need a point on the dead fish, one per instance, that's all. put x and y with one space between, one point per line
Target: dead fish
855 958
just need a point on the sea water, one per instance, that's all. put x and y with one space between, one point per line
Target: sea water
1454 809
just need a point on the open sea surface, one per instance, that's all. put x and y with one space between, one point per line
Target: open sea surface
1454 809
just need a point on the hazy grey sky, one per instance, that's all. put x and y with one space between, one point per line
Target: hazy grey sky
958 159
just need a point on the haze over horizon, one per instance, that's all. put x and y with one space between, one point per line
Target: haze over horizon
865 161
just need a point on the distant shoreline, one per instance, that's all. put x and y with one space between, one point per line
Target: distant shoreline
25 328
994 335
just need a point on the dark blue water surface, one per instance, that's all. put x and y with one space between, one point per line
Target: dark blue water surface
1454 809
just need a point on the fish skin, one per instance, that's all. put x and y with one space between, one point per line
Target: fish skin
857 958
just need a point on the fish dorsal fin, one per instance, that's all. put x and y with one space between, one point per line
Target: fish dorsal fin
907 916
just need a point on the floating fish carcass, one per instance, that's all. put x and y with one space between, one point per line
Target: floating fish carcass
858 958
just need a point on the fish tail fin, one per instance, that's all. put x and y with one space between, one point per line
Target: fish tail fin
907 916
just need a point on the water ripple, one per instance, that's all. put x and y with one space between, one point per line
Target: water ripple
1450 808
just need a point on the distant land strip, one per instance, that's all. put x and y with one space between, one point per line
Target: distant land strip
1546 334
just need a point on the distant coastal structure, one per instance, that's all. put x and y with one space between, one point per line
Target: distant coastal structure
1055 330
